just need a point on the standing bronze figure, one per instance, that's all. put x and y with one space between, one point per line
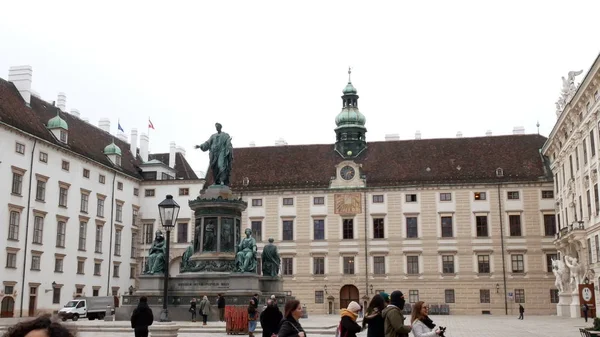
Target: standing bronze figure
220 155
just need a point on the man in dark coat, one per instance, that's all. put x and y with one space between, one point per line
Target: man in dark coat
270 318
221 307
142 318
521 311
393 319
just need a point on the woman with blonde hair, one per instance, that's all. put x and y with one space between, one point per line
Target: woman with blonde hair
422 325
204 309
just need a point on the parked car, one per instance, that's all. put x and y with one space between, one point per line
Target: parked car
90 307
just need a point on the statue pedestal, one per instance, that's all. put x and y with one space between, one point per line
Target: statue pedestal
271 285
151 284
575 307
562 307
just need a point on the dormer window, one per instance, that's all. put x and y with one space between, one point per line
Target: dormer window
63 136
118 160
113 152
59 128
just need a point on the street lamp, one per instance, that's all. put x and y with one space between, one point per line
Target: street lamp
168 210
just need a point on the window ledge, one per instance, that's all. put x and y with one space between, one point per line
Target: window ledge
16 194
40 200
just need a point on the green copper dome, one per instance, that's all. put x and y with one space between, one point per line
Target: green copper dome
350 116
349 89
57 122
112 148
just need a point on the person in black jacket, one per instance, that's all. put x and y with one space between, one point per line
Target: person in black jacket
193 309
221 307
348 325
142 318
289 325
270 318
373 317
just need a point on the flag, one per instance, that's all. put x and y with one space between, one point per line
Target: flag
120 128
150 125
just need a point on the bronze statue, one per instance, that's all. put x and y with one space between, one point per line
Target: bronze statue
210 238
245 258
156 256
270 260
220 155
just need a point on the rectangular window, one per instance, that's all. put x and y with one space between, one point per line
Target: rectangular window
120 185
378 229
592 143
378 198
379 265
80 267
65 165
119 213
134 215
100 208
481 225
148 233
412 230
519 295
585 157
20 148
349 265
549 224
596 198
58 265
518 265
149 192
40 191
449 295
445 196
554 296
184 191
447 227
96 292
85 199
413 296
483 264
116 270
38 230
256 202
182 233
257 230
99 234
589 204
101 179
484 296
319 297
548 194
118 235
86 173
319 229
11 260
63 136
411 198
412 265
83 235
348 229
287 266
572 172
288 201
288 230
36 262
448 264
43 157
597 248
56 295
318 201
512 195
576 158
132 246
136 191
479 196
132 272
514 222
319 265
97 269
62 196
17 183
61 232
13 225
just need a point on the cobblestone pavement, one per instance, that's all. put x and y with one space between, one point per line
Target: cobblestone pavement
458 326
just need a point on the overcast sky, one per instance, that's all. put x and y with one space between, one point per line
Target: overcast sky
271 69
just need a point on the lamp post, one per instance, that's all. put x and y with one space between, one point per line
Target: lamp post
168 210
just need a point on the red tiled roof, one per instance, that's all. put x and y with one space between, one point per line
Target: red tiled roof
395 163
183 170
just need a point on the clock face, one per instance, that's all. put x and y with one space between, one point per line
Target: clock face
347 172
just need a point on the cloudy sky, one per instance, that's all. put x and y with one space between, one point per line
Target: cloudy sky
275 69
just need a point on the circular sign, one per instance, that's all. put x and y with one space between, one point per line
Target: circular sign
586 293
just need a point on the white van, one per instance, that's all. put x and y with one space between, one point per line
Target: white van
90 307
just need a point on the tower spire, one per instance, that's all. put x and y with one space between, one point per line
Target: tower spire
349 74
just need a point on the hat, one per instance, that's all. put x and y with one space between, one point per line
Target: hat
354 307
386 296
397 298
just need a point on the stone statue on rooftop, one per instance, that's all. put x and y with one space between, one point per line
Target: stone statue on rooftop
220 155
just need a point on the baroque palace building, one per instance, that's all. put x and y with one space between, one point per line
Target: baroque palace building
574 153
463 222
76 202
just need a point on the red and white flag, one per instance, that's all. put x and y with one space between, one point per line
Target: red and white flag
150 125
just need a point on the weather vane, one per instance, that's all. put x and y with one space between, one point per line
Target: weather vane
349 73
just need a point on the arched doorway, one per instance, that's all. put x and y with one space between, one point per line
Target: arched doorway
7 307
348 293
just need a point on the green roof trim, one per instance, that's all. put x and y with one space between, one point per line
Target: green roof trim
112 148
57 123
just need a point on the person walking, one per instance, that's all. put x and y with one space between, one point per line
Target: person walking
252 313
142 318
386 298
193 309
373 318
585 309
521 311
221 307
269 319
204 309
348 326
289 325
393 320
422 325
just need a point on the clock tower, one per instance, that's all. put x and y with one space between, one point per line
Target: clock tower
350 131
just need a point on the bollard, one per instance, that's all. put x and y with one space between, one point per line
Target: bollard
108 314
304 311
163 329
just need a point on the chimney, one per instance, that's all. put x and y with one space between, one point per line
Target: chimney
280 142
252 144
418 134
21 76
104 124
172 152
518 130
392 136
85 119
134 142
144 144
459 134
122 136
181 150
75 113
61 101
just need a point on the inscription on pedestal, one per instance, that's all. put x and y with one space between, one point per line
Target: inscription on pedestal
183 285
